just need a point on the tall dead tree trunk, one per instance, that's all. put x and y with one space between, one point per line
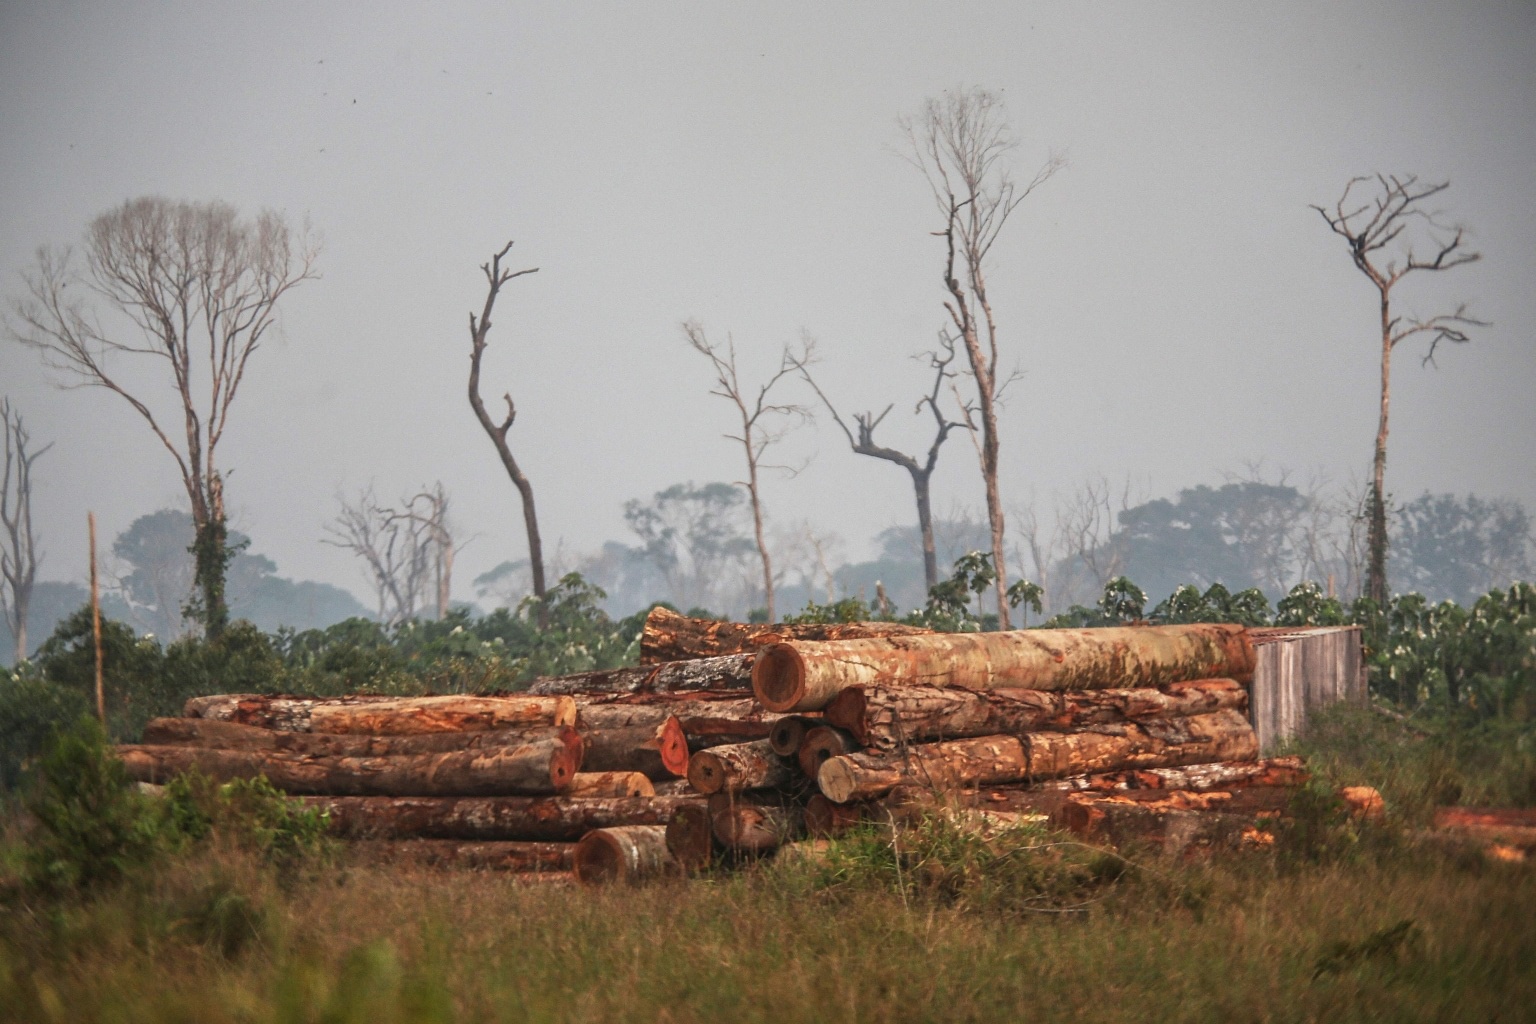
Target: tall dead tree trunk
757 433
479 331
920 472
1370 227
19 556
959 142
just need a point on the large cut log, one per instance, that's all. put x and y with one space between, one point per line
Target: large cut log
450 853
999 760
887 716
625 853
214 734
756 823
706 723
738 766
384 715
821 743
542 819
1176 831
1274 771
690 839
537 766
789 732
805 675
658 751
605 785
730 672
669 636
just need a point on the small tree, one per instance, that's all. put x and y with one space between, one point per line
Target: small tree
863 443
198 287
19 556
960 143
763 423
1376 231
479 333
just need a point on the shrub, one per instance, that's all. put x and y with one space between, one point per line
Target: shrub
31 710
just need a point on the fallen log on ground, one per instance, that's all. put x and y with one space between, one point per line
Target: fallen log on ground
999 760
450 853
738 766
384 715
731 672
807 675
540 766
887 716
755 823
669 636
605 785
214 734
658 751
542 819
1274 771
624 853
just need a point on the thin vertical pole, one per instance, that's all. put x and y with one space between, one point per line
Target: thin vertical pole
101 699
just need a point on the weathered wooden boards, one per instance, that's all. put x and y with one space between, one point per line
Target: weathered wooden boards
669 636
807 675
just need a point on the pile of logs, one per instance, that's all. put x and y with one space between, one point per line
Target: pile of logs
729 741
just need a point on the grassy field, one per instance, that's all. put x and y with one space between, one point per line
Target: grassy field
1334 922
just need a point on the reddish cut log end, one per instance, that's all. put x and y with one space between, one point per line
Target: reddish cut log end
672 743
837 780
787 734
847 711
778 677
706 774
821 744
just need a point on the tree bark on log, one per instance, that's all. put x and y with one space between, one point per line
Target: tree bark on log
824 819
821 743
658 751
541 766
705 723
755 825
607 785
669 636
884 717
533 819
624 853
690 837
807 675
214 734
366 713
1272 772
789 732
738 766
729 672
1176 831
521 858
999 760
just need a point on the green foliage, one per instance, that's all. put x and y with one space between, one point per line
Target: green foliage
1383 944
1307 605
849 609
248 812
134 680
31 710
93 826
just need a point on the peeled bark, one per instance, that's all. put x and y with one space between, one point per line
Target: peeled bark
213 734
730 672
821 743
542 819
789 732
690 838
541 766
669 636
754 825
807 675
887 716
384 715
999 760
624 853
516 857
736 767
606 785
658 751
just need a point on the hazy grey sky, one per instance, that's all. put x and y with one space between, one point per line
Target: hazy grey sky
1176 307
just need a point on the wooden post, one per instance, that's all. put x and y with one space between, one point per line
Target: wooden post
101 696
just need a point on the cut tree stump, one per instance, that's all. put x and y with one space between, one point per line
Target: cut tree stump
806 675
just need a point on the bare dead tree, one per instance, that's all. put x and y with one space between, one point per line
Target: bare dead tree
862 441
479 330
427 512
19 556
1374 229
763 423
960 142
198 288
392 547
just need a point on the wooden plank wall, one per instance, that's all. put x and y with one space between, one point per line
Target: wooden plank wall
1297 671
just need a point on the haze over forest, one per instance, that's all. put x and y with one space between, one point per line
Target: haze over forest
1180 317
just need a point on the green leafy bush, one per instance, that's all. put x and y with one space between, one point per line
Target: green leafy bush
32 709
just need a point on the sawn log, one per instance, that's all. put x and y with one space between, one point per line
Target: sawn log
730 672
384 715
738 766
542 819
623 853
669 636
